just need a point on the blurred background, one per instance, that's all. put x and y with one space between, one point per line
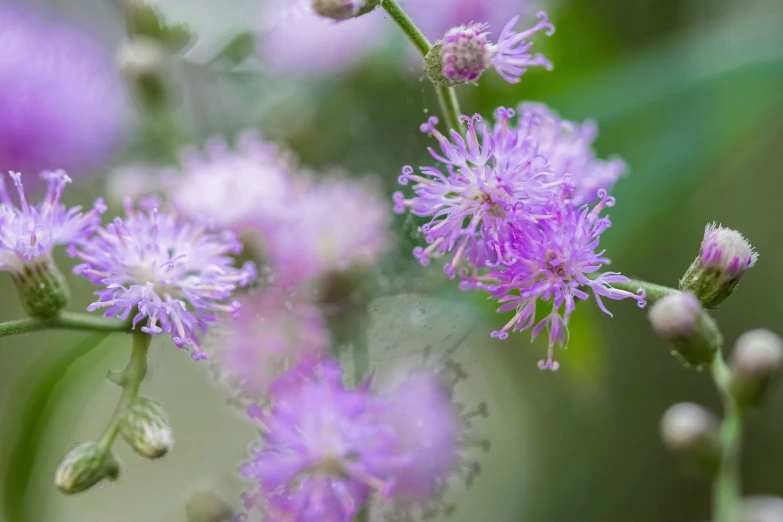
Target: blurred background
688 92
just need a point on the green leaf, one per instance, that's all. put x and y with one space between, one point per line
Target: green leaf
238 49
35 419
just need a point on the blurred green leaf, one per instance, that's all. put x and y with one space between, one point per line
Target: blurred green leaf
238 49
36 414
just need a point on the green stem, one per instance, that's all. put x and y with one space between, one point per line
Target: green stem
447 96
65 321
654 292
408 27
449 104
726 491
130 379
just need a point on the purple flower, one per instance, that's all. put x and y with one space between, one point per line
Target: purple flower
491 177
175 273
232 188
567 147
272 332
332 226
29 231
553 261
295 40
63 103
326 447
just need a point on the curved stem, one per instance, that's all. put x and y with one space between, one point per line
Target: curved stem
726 489
65 321
447 96
408 27
654 292
130 379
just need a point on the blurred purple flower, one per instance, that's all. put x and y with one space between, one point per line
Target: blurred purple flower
295 40
567 147
63 104
332 226
30 231
232 188
176 274
326 447
272 333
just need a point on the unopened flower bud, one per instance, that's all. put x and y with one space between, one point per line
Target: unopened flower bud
41 287
723 258
757 358
762 509
84 466
461 57
145 427
343 9
680 319
691 431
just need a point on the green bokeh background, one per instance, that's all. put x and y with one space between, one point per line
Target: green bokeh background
688 92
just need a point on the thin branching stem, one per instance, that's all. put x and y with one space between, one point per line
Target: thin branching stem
64 321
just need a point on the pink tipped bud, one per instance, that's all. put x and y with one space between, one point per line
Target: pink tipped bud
723 258
461 57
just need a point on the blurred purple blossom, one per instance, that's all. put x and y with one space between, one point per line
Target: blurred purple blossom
29 231
326 447
175 273
272 332
435 17
63 103
295 40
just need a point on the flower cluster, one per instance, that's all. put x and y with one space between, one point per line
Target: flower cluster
174 273
510 208
466 51
326 447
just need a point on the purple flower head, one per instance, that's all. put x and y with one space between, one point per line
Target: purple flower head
271 333
510 56
31 231
232 188
465 52
63 103
326 447
492 177
295 40
726 250
567 146
552 261
332 226
175 273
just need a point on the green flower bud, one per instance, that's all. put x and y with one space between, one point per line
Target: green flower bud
145 427
343 9
84 466
723 258
41 287
691 432
680 319
756 360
